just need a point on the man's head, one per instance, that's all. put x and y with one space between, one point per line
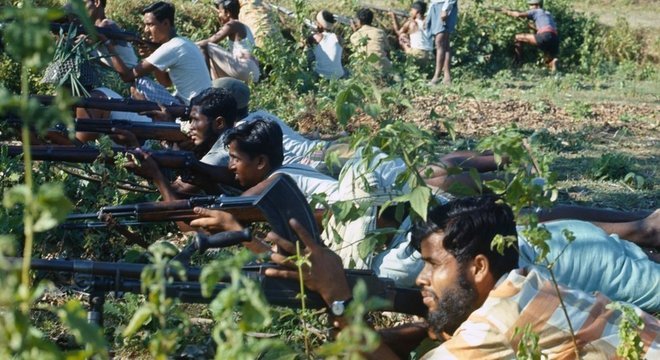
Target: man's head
212 112
239 91
255 150
325 20
365 16
460 266
418 8
228 9
95 8
535 4
158 21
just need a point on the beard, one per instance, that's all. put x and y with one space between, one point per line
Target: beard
211 136
454 306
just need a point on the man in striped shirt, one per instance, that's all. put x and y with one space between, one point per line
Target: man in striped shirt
478 301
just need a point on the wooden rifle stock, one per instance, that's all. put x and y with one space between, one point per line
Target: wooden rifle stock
126 105
183 160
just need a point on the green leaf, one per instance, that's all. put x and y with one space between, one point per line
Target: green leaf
141 317
74 317
420 198
52 206
16 195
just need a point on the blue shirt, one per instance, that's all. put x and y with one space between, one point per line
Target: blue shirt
542 20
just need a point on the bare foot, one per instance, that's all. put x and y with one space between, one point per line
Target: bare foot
650 229
434 81
553 65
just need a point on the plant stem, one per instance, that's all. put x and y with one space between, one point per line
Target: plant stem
28 217
299 264
563 308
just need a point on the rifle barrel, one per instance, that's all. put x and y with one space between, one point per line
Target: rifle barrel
117 276
143 130
112 34
126 105
399 13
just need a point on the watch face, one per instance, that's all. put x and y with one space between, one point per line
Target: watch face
337 308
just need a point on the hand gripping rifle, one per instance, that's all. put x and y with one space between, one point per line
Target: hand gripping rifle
194 170
126 105
275 200
99 278
143 130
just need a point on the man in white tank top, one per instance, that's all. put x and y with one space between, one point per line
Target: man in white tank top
326 49
238 62
412 35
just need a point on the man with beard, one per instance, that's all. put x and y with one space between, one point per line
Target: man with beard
212 112
476 297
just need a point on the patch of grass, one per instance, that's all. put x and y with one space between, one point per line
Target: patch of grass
612 166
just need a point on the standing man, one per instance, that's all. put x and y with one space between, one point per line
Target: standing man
176 62
370 40
441 22
546 37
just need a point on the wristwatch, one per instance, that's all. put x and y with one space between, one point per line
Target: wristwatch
338 308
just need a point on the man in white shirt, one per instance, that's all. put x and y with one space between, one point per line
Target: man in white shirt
177 61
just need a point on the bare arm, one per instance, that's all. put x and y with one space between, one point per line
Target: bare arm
127 74
224 32
516 14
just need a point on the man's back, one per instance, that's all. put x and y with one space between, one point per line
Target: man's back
524 298
375 43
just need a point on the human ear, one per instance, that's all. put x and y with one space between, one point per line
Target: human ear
219 123
480 268
263 162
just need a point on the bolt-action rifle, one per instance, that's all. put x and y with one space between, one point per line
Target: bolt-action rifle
111 34
399 13
281 9
344 20
192 170
127 105
143 130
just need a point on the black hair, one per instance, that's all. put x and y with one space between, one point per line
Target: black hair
365 16
162 11
259 137
232 6
469 226
419 6
327 16
214 102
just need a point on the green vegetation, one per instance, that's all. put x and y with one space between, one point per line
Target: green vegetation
592 131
